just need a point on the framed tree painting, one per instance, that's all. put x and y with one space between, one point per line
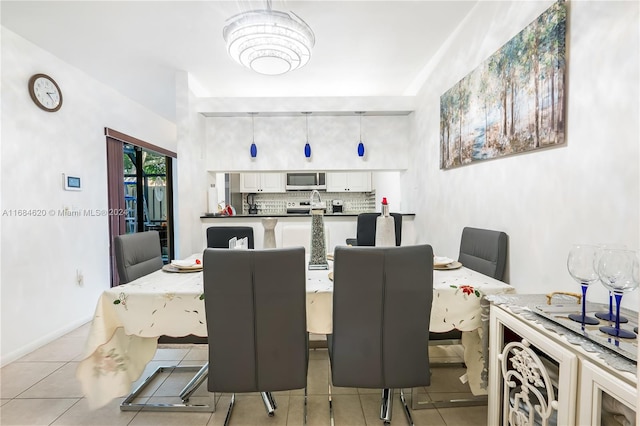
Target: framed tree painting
514 101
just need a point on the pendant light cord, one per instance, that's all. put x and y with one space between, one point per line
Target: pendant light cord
253 129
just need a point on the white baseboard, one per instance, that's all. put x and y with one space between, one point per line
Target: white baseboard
42 341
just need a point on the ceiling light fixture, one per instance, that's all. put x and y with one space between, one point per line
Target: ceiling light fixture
253 150
360 144
268 41
307 147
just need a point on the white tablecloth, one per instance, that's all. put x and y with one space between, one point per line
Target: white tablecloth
130 318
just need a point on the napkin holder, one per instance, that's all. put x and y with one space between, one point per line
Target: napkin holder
239 243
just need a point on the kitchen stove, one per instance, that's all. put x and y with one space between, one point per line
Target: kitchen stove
298 207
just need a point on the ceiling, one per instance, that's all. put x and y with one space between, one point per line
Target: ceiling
363 48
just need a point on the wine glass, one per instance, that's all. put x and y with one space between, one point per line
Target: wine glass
619 272
608 316
580 264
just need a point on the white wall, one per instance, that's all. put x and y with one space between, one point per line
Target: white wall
193 179
40 298
587 191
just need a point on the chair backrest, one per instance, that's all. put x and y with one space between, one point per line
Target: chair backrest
366 228
484 251
381 311
219 236
255 304
137 255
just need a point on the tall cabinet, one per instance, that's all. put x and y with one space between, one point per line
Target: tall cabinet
586 388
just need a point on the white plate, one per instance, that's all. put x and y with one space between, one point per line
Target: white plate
441 260
186 264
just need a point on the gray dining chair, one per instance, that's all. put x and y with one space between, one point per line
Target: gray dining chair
484 251
255 304
137 255
366 229
381 311
219 236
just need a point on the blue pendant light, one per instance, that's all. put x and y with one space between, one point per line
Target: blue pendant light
307 147
360 144
253 150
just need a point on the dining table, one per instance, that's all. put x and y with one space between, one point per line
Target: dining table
130 318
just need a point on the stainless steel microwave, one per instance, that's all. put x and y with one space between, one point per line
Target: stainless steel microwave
306 181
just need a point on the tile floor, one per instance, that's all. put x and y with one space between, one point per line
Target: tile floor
41 389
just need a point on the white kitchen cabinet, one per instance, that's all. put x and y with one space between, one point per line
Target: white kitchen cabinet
587 387
262 182
349 182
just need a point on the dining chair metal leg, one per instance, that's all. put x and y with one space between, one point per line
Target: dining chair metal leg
407 412
331 419
454 402
230 409
387 405
304 409
129 405
194 383
269 403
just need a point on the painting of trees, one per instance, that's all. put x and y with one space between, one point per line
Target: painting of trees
514 101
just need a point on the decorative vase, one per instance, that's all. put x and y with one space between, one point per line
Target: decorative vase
269 224
318 259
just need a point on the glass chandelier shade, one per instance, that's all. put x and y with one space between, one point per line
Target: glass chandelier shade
268 41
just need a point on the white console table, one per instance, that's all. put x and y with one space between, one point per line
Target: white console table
591 385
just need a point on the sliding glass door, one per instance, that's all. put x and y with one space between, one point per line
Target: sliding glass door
146 193
140 183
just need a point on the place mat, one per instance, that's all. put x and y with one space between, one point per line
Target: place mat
452 265
172 268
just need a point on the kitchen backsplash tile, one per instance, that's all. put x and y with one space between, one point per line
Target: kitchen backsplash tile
276 203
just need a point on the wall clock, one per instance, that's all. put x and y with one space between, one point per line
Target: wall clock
45 92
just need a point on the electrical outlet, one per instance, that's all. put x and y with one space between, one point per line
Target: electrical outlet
79 277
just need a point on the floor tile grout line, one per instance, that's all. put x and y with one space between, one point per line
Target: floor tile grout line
65 411
43 378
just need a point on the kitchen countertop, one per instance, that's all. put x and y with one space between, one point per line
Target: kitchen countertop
245 216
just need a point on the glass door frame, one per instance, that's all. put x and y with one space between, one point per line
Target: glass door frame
116 200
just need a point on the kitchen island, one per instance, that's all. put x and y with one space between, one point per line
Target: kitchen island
340 226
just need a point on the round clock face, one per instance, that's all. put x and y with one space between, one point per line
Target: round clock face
45 92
